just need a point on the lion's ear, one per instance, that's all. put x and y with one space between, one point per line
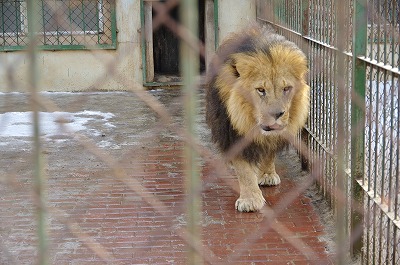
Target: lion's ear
242 65
235 71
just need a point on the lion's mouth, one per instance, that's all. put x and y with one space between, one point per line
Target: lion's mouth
273 127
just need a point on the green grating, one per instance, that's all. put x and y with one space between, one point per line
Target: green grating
63 24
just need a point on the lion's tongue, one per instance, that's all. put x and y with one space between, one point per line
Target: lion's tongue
275 126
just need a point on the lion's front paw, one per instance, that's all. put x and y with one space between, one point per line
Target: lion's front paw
250 204
269 180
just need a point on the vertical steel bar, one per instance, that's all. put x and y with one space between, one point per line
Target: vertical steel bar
189 60
312 17
44 25
376 123
305 16
334 107
330 128
320 20
388 236
57 6
384 171
325 17
319 111
83 22
380 237
288 15
39 180
393 158
17 8
384 137
113 22
392 118
375 234
378 38
3 25
394 247
370 165
303 29
98 5
368 235
71 23
358 116
371 27
316 19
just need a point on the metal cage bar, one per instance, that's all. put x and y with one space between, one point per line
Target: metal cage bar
369 107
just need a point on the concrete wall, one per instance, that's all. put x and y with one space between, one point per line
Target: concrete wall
234 15
82 70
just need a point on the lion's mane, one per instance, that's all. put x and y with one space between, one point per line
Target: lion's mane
222 79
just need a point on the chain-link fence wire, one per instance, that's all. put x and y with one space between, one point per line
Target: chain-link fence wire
322 157
76 229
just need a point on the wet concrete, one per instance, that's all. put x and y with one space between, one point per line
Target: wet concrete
98 215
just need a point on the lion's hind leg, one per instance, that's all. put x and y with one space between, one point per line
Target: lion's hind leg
251 198
269 177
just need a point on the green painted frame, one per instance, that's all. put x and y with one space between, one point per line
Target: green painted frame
144 51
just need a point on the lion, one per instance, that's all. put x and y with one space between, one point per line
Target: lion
256 94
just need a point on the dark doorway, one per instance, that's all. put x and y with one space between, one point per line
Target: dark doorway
166 46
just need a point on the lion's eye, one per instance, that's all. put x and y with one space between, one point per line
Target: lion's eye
287 89
261 91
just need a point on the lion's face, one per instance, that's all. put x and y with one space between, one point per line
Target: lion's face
271 100
266 92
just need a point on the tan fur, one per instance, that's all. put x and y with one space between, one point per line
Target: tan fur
239 83
260 72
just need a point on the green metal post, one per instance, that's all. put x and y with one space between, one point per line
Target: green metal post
358 115
39 179
341 192
216 26
304 136
189 61
113 26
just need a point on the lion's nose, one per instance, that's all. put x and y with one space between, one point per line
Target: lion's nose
279 114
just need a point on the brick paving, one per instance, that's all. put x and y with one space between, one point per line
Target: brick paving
98 218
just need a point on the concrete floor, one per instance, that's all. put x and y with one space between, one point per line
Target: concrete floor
113 163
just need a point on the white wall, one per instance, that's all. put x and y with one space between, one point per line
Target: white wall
79 70
234 15
82 70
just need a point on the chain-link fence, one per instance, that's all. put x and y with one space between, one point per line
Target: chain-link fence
132 177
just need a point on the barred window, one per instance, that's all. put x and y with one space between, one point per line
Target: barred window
12 17
86 15
63 24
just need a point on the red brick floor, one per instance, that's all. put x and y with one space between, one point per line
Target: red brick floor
96 217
